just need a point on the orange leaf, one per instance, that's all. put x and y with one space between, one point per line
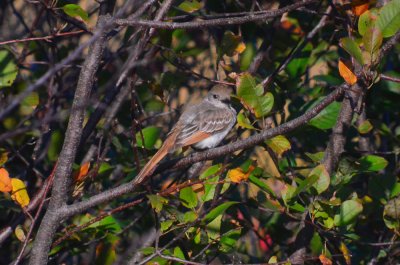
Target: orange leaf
359 7
5 181
346 73
19 193
237 175
324 260
83 171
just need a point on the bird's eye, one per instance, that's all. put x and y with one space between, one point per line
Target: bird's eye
215 96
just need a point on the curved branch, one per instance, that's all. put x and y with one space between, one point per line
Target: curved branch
253 140
213 22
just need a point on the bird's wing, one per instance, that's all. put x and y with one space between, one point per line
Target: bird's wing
203 124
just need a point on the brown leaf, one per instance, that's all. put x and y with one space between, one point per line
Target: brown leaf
359 7
5 181
346 73
324 260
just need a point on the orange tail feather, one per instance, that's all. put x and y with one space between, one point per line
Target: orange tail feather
149 167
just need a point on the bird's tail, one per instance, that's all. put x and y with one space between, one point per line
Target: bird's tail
150 166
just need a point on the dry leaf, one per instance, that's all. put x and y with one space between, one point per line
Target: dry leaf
324 260
19 193
346 73
237 175
5 181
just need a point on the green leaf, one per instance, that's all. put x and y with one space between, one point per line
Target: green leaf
210 171
365 127
389 18
150 135
372 40
299 64
326 119
74 10
243 121
28 104
188 197
229 240
190 216
209 188
279 144
56 142
179 253
323 181
251 96
157 202
349 210
190 6
372 163
367 20
316 157
8 69
262 185
219 210
166 225
352 48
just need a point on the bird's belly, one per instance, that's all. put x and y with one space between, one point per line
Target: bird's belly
212 141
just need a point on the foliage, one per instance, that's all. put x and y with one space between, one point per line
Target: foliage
277 200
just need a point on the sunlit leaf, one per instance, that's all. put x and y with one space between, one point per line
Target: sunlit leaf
367 20
252 96
237 175
359 7
8 69
19 193
229 240
188 197
365 127
323 181
389 18
352 48
349 210
164 226
190 6
324 260
372 163
346 253
346 72
316 157
5 181
20 233
279 144
150 136
243 121
372 40
74 10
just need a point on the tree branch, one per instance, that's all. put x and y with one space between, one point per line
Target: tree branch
213 22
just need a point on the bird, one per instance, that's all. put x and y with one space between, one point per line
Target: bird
203 126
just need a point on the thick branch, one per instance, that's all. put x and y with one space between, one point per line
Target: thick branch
73 134
253 140
213 22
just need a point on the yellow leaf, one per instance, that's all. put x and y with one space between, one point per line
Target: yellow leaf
346 253
346 73
19 193
5 181
19 233
279 144
237 175
83 171
324 260
3 158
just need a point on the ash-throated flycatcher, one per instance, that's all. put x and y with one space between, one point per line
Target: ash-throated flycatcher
202 125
